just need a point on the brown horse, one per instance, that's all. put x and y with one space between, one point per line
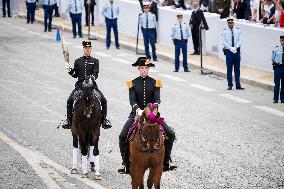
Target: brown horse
147 151
85 128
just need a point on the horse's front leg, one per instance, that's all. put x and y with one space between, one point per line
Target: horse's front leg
95 158
84 152
74 169
137 176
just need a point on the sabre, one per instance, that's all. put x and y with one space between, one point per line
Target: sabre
65 48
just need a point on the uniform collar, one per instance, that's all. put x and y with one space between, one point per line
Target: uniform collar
86 57
144 78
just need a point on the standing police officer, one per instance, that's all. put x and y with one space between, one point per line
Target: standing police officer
144 90
180 35
75 8
148 24
48 6
85 66
31 7
111 12
278 67
232 38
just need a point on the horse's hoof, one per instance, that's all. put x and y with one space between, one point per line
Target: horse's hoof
98 177
74 171
92 169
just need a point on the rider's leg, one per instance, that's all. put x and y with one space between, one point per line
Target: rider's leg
123 143
69 111
105 122
168 147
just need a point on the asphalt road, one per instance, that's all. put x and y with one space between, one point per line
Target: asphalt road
225 139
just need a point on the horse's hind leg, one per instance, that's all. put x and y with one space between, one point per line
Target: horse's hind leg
74 154
97 159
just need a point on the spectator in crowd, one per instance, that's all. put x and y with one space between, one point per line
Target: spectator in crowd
180 4
168 3
257 10
31 7
240 9
204 5
197 17
154 10
281 17
268 12
89 6
222 7
75 8
4 3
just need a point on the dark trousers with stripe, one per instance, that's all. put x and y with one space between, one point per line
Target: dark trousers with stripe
4 3
31 7
181 45
233 60
76 21
278 79
111 24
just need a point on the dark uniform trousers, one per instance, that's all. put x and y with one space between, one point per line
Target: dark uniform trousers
76 20
111 23
278 79
48 10
31 7
4 3
70 104
124 146
149 37
92 8
181 44
233 60
195 38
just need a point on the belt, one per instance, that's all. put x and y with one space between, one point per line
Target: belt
111 18
178 40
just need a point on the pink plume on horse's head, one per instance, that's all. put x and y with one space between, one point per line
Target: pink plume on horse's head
152 116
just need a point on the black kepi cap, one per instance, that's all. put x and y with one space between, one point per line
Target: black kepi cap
87 44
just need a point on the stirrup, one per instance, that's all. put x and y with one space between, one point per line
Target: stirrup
106 124
169 166
124 170
66 125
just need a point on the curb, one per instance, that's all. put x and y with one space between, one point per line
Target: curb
128 46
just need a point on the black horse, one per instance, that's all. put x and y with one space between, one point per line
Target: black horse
85 128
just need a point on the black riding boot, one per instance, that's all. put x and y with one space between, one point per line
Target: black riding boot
124 151
105 122
68 123
168 165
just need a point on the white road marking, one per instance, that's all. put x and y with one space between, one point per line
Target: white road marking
201 87
172 77
102 54
125 54
122 61
46 36
20 28
270 110
68 43
34 159
234 98
33 33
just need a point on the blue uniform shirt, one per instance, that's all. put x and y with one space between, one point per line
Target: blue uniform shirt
110 11
277 55
227 38
75 6
30 1
49 2
151 23
178 28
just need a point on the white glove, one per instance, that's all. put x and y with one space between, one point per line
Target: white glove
234 50
139 112
68 67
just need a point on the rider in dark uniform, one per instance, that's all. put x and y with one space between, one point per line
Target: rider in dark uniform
85 66
143 90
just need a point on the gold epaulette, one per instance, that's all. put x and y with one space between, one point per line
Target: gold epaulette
129 84
158 83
